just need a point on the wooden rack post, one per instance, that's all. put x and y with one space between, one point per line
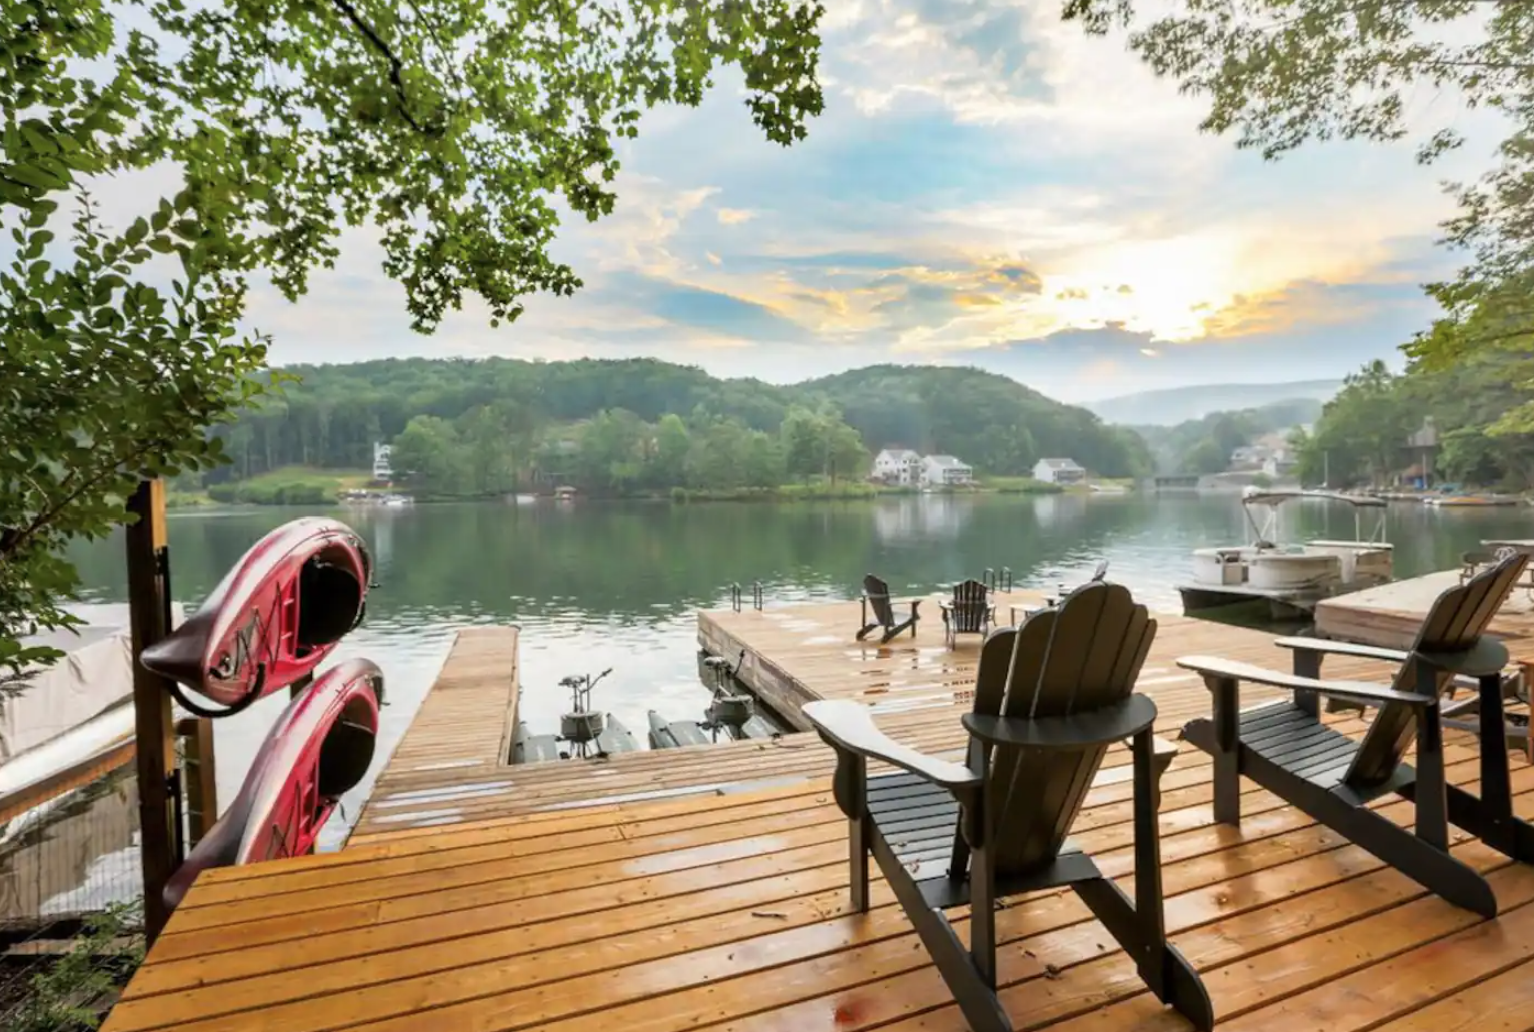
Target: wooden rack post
199 777
149 617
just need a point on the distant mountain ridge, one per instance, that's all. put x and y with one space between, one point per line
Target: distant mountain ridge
1174 405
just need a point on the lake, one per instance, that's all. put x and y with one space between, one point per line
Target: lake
596 585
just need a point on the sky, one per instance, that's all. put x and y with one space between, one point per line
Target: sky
988 186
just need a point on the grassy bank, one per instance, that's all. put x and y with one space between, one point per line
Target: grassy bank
294 485
785 493
1019 485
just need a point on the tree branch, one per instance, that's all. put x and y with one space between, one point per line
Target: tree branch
395 64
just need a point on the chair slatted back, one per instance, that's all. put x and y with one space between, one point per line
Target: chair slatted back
971 599
1083 654
878 594
1456 621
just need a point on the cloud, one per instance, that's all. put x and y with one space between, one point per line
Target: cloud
986 185
722 314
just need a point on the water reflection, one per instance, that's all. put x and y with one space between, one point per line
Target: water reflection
921 517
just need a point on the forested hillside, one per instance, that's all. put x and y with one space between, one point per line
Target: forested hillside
1173 406
1204 445
484 426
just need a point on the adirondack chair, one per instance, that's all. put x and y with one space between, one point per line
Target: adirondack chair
1050 697
970 611
876 598
1285 748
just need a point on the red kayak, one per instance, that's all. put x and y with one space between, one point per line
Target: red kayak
272 619
318 750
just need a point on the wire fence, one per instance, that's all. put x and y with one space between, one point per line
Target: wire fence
70 910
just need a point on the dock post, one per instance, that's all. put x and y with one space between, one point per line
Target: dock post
149 617
198 776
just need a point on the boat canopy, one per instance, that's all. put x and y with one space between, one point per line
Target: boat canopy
1253 496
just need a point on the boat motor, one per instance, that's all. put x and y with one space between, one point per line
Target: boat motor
582 726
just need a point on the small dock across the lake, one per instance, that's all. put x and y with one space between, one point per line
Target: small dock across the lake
706 887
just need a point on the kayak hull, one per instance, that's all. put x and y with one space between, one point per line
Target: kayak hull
273 618
319 749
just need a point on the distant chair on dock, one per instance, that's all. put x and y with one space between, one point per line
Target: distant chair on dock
1286 748
876 599
970 611
1050 697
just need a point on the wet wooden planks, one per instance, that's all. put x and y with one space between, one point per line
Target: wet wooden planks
1389 615
916 686
729 912
465 723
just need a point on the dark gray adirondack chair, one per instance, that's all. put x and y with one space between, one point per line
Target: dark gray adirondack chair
1050 697
970 611
876 599
1285 748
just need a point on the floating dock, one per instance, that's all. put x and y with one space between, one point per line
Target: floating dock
706 887
1389 615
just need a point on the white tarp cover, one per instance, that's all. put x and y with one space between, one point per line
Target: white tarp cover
95 673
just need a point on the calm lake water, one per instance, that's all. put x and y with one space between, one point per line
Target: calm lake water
598 585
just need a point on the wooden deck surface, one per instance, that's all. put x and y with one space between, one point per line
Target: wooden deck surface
808 652
729 911
1390 614
465 723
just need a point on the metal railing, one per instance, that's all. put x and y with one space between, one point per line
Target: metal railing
737 599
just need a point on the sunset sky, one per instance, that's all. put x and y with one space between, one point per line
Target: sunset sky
988 186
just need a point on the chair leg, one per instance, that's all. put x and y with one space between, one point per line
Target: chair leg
1166 971
857 854
865 631
977 1000
982 915
1227 750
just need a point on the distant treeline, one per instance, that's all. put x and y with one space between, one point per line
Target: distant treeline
484 426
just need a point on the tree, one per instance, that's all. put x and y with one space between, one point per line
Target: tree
431 457
845 456
803 435
1281 74
452 127
672 443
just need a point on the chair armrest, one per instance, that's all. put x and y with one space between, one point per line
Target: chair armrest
1359 691
1486 657
1342 648
848 727
1099 727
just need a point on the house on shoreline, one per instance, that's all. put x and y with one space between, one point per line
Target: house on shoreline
1059 471
903 467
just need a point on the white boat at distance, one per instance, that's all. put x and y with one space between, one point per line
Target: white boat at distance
1291 577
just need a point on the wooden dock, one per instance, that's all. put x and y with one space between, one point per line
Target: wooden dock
558 897
1390 614
464 726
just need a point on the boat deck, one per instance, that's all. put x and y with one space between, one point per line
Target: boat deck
558 903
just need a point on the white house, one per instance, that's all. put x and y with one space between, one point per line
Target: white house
945 471
382 467
1279 464
1058 471
897 466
